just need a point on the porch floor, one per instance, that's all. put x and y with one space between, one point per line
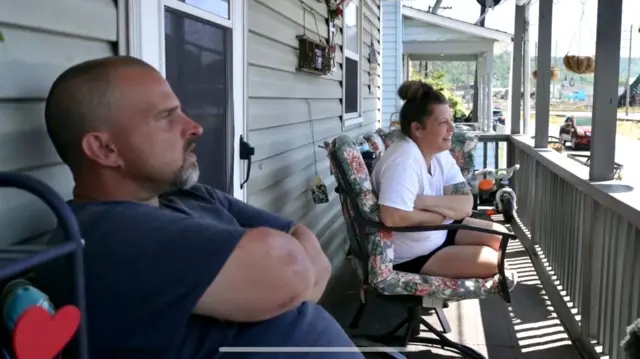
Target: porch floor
529 329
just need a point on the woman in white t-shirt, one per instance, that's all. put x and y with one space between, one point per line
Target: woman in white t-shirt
419 183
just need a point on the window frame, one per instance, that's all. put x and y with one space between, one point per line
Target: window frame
350 119
144 21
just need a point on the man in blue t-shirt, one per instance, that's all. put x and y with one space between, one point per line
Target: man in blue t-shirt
175 269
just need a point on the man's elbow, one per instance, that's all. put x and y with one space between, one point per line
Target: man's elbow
267 274
298 276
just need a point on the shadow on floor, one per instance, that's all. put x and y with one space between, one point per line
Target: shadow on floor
528 329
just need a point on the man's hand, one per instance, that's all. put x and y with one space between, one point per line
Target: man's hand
457 203
319 261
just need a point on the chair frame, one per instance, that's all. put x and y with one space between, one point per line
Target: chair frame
414 304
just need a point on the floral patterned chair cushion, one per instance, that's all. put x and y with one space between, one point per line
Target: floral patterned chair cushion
389 137
375 143
463 145
351 175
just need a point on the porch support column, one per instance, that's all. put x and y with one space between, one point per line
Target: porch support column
515 93
526 73
488 84
476 95
406 67
543 84
605 90
480 104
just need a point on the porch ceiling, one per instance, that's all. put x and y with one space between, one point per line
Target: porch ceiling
431 37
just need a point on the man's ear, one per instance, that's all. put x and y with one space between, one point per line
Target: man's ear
98 147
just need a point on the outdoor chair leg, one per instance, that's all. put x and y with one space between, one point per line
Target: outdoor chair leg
442 341
444 322
412 321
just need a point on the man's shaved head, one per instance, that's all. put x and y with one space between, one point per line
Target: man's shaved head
82 100
119 126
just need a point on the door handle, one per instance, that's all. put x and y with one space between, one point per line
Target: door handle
246 152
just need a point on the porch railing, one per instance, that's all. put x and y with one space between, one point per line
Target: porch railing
584 242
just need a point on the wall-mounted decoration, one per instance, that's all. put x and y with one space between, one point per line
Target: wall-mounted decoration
334 13
314 56
332 45
319 192
334 8
373 67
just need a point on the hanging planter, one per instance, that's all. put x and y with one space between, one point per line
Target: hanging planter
488 3
555 73
579 64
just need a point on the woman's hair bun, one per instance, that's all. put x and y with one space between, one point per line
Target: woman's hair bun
414 90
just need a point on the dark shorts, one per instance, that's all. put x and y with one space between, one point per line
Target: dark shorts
415 265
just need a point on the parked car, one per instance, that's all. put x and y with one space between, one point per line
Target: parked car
498 118
576 130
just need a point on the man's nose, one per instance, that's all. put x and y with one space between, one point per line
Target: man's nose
194 128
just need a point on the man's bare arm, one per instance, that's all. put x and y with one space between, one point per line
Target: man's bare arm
457 203
395 217
267 274
319 261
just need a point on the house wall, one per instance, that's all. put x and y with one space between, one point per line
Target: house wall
38 46
285 107
41 39
391 58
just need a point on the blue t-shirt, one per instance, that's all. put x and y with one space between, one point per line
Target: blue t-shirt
146 267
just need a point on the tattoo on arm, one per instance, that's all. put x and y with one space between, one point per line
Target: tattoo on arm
460 188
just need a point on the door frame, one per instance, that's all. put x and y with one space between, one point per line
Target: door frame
144 24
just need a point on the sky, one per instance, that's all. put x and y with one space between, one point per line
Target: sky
565 27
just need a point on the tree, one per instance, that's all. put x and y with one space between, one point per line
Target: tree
437 80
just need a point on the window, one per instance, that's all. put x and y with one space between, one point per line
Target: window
197 65
216 7
352 48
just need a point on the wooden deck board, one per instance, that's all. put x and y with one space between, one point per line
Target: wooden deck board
528 329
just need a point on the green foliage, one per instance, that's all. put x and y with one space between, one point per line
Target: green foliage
1 37
463 73
437 80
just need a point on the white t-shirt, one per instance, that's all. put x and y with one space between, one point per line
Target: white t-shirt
399 177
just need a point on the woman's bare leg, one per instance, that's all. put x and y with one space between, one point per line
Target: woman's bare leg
471 238
463 261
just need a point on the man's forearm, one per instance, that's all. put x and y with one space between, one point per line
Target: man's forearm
451 206
319 261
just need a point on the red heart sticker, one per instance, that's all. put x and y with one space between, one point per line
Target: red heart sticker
38 335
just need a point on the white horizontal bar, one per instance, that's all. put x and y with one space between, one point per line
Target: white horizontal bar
311 349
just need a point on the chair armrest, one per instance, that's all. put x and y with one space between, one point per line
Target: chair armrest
504 242
438 227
